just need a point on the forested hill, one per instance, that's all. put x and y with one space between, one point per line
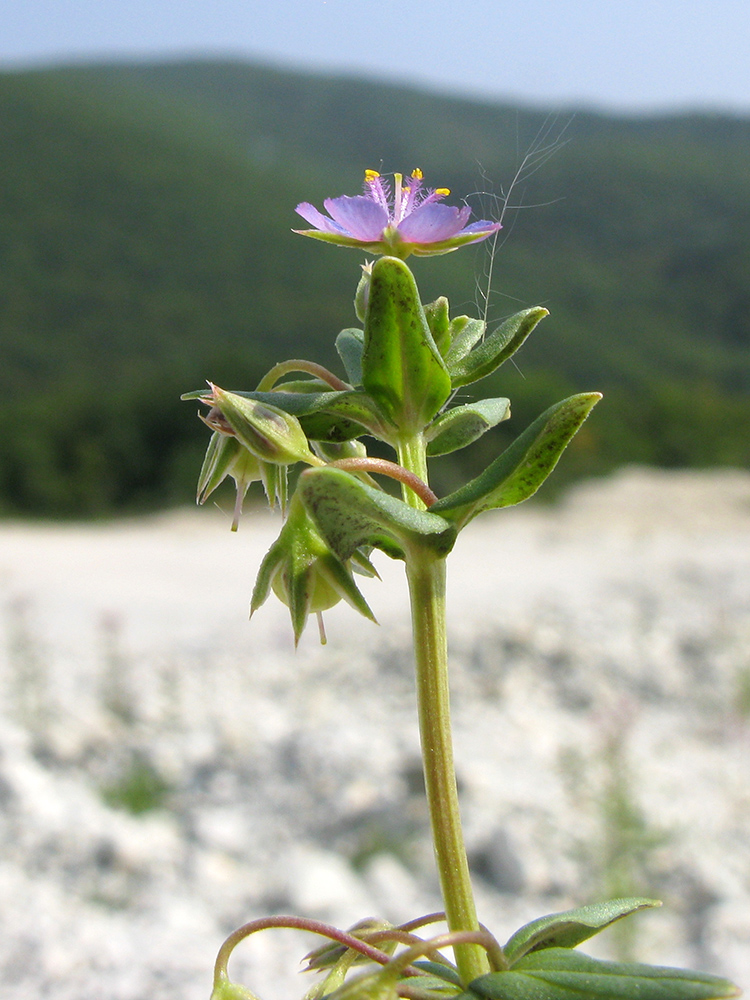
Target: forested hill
145 244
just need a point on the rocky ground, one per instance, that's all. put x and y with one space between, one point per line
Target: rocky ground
168 770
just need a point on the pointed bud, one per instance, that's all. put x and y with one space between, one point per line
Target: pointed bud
304 573
266 431
438 321
363 292
332 451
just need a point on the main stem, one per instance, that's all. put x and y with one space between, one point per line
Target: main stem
426 574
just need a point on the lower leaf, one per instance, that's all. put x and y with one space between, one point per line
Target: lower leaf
562 974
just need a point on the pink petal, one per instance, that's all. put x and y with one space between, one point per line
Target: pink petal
483 226
433 223
311 214
359 216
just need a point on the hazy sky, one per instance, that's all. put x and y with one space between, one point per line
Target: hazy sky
636 55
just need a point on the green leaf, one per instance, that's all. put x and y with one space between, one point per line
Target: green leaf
570 928
402 369
350 344
430 988
498 347
298 404
350 514
465 332
438 320
354 406
445 972
521 469
561 974
462 425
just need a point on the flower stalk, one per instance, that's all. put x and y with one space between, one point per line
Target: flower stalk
426 575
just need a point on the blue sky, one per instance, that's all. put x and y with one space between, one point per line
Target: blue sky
641 55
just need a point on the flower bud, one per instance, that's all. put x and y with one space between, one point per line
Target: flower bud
305 573
363 292
266 431
332 451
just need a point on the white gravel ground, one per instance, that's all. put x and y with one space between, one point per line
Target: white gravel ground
602 707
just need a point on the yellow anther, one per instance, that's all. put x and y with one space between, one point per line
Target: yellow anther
417 174
443 191
370 176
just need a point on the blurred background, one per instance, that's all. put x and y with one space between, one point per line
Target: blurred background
152 153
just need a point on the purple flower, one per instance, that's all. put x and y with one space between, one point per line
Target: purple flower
408 220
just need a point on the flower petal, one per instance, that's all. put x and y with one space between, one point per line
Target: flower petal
358 216
433 223
482 226
311 214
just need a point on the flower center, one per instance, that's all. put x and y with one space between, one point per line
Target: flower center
406 195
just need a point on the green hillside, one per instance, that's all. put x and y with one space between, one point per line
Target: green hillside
145 244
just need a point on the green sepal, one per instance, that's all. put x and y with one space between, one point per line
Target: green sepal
335 978
275 484
305 573
570 928
225 989
350 344
350 514
562 974
438 320
402 370
465 332
463 425
521 469
225 456
381 985
221 454
498 347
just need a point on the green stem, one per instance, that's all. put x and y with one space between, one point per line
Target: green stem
426 575
412 455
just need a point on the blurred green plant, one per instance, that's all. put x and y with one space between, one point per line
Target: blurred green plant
139 789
